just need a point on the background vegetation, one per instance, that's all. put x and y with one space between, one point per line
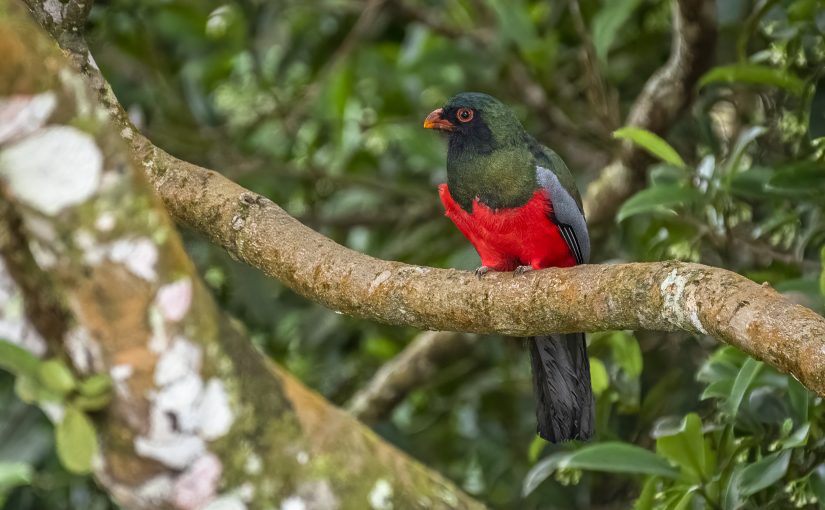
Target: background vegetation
318 105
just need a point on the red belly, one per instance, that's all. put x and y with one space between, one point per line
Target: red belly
507 238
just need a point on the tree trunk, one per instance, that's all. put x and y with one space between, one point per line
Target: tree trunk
199 418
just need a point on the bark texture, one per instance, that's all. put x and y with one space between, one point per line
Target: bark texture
199 419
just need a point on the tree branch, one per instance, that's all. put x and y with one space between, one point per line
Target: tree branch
415 365
664 97
198 417
658 296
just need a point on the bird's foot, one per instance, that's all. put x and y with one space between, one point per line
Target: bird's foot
481 271
522 270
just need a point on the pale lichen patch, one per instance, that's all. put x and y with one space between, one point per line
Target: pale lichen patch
228 502
22 115
313 495
679 307
52 169
253 465
198 485
54 8
380 497
247 491
139 255
105 222
293 503
84 351
183 358
173 300
91 59
381 278
120 374
215 415
185 412
43 256
155 492
14 326
173 450
159 341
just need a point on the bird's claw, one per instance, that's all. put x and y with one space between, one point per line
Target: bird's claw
522 270
481 271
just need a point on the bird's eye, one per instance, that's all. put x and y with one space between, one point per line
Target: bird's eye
465 114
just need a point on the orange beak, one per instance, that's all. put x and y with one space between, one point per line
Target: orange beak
435 121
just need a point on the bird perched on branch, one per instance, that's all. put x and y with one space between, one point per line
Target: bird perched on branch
517 203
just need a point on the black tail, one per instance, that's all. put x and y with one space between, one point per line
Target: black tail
561 380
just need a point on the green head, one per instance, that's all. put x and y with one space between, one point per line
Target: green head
489 154
477 122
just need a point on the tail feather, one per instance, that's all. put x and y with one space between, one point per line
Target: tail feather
561 380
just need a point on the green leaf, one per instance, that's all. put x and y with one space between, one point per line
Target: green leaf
717 389
754 74
607 22
798 397
744 140
27 389
732 497
817 482
648 495
56 377
626 352
652 143
609 457
17 360
536 447
685 500
752 183
614 457
76 441
95 386
798 438
686 447
801 179
764 473
95 403
380 347
750 369
599 379
14 474
657 197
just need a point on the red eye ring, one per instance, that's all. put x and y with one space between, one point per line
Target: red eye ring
464 114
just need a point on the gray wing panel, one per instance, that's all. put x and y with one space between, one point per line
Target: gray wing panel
568 215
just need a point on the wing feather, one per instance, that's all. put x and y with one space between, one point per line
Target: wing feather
567 214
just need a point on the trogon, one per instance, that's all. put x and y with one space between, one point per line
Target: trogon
516 201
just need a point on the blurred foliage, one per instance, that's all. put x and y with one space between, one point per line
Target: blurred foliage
318 105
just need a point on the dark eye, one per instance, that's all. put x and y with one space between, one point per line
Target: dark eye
464 114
